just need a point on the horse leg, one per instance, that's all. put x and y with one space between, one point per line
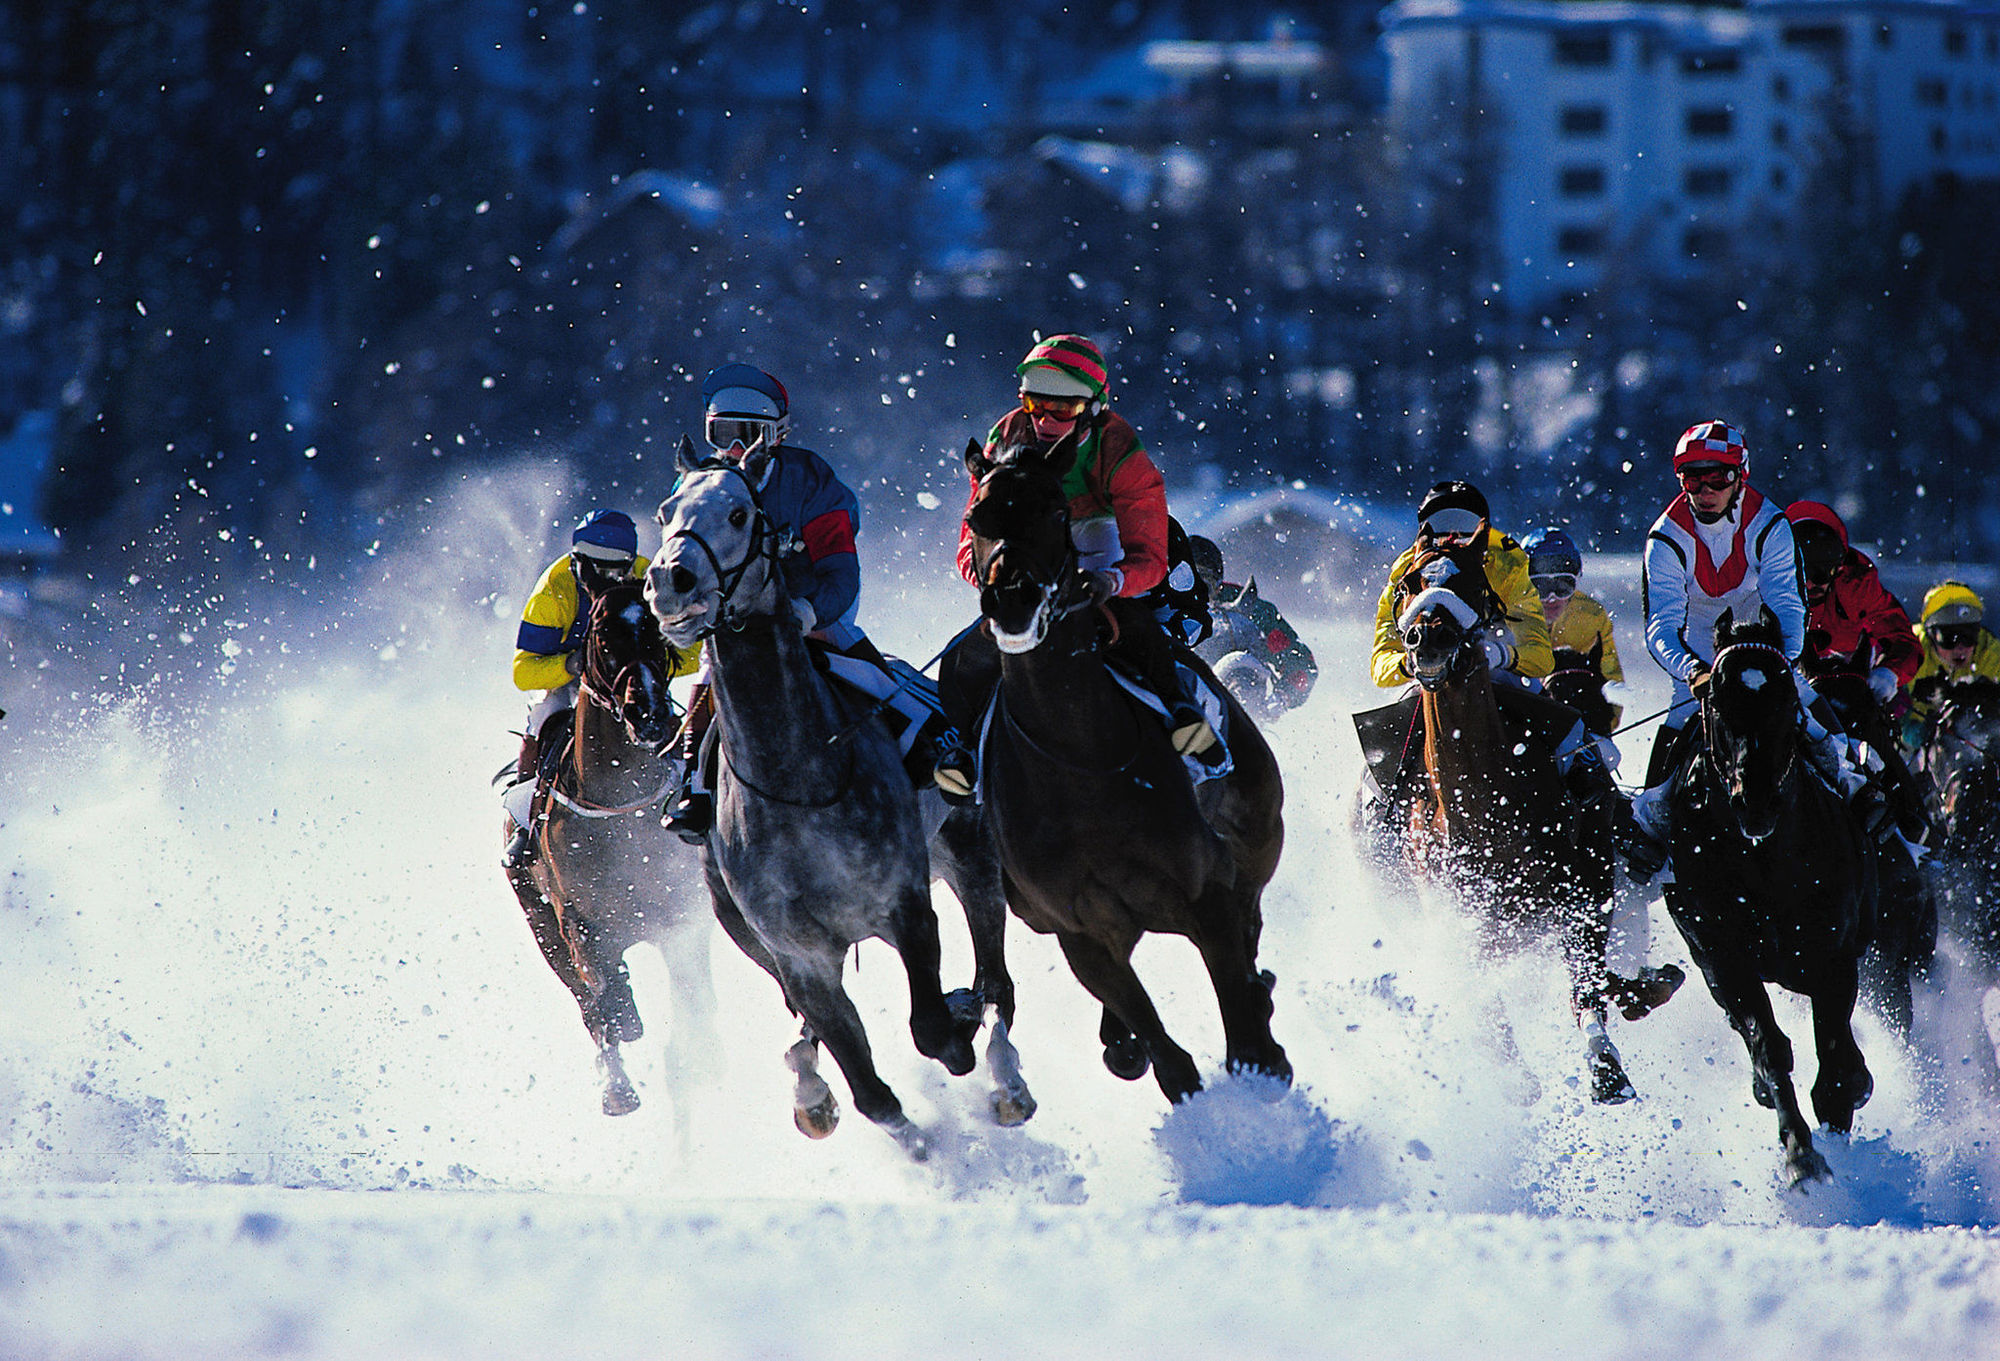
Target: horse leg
1240 990
1742 997
1844 1083
964 857
1585 935
1109 978
620 1097
938 1032
812 982
693 1044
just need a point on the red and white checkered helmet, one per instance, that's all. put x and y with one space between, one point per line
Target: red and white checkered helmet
1712 442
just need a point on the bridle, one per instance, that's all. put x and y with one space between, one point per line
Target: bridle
610 698
1708 709
728 580
1057 597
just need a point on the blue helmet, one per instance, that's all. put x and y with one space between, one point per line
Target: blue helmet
607 535
1552 553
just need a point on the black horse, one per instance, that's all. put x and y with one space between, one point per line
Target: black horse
1578 681
1959 757
1103 835
1775 882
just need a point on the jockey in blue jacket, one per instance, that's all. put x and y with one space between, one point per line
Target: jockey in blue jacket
815 516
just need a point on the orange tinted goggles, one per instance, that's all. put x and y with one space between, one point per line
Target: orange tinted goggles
1057 408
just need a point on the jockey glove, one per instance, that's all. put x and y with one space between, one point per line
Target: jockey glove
1103 584
807 616
1498 655
1883 682
573 662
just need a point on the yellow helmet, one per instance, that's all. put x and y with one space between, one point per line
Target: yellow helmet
1952 602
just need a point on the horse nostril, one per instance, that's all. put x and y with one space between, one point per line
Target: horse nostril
682 580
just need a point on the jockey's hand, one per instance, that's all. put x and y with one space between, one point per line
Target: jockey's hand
803 611
1103 584
1499 657
573 662
1882 681
1698 682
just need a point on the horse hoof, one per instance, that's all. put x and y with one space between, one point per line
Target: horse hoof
1013 1108
967 1008
1127 1059
817 1120
1268 979
620 1099
1761 1090
912 1140
1646 993
1805 1166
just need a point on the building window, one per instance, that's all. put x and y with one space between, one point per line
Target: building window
1704 243
1577 242
1885 35
1815 37
1781 89
1780 181
1710 123
1722 63
1954 42
1781 134
1706 181
1581 181
1583 49
1582 120
1932 93
1992 44
1938 140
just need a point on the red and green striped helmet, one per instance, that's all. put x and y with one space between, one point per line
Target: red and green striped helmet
1070 356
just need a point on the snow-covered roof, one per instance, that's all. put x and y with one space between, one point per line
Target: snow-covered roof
1173 178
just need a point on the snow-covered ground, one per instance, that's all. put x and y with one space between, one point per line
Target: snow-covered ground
281 1073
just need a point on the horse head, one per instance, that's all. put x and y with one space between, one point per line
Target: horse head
1750 719
1578 681
625 663
1022 558
718 553
1962 757
1441 603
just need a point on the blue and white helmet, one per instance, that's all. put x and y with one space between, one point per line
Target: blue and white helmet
607 536
743 403
1551 552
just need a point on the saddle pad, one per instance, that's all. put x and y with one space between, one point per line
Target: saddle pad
1383 733
1212 708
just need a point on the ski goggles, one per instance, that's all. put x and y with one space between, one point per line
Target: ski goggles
724 431
1459 523
1708 479
1055 408
1556 586
1951 637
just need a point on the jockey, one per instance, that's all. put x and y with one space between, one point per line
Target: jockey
1576 621
548 651
1455 515
1956 646
1184 596
1856 627
1720 545
1245 621
815 517
1118 523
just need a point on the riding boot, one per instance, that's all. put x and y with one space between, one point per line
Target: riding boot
520 851
1144 647
530 758
1644 856
691 815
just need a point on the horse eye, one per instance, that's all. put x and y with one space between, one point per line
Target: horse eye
738 518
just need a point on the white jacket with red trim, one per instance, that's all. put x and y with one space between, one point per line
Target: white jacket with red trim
1695 571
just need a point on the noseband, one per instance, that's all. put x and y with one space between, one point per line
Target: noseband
763 544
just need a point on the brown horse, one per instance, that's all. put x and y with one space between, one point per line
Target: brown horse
605 875
1103 835
1489 816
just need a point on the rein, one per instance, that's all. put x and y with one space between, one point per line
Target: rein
582 807
763 544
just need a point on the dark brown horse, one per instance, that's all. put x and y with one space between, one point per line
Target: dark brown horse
605 876
1489 817
1103 835
1960 760
1775 882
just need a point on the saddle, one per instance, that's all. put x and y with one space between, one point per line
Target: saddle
1390 740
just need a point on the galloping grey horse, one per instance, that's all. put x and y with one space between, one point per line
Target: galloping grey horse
818 842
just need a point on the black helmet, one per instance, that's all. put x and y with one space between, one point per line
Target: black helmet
1206 559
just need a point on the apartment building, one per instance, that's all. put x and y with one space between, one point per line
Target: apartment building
1612 135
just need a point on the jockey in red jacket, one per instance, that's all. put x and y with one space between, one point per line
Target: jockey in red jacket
1853 623
1118 523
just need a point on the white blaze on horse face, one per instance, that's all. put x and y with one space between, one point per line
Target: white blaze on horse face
1753 680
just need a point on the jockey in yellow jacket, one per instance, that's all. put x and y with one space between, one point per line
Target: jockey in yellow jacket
548 647
1957 646
1576 620
1456 514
